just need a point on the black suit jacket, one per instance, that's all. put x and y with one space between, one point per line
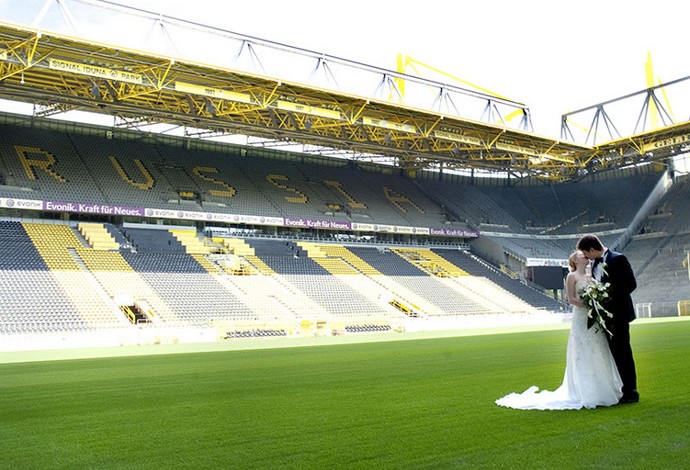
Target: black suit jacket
619 273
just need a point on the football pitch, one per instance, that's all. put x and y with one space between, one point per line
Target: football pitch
411 403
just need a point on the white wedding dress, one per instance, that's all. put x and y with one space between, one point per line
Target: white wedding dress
591 377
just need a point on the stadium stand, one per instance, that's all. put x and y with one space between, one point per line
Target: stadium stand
153 241
480 270
98 271
660 255
44 287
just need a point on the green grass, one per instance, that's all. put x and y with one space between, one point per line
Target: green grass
396 404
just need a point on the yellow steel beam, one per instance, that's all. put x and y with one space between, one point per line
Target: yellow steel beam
405 61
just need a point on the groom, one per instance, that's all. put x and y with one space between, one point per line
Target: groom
614 268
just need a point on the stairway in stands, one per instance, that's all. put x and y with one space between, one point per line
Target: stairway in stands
429 262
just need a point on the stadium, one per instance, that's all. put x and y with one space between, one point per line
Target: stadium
183 274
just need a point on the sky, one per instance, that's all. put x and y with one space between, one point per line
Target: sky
555 57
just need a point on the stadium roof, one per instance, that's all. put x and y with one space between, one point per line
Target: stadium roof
59 73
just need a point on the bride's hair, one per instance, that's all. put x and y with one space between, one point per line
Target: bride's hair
571 261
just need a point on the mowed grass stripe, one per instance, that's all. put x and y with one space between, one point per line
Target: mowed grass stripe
399 404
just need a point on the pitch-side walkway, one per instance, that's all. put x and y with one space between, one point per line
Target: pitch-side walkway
268 343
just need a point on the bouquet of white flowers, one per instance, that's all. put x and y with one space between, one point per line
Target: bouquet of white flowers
595 295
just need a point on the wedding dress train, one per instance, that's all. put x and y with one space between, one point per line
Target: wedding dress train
591 377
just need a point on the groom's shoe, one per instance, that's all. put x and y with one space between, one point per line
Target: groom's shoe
630 397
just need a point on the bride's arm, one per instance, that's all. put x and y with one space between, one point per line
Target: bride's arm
571 293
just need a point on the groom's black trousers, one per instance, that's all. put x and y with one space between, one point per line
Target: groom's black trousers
621 350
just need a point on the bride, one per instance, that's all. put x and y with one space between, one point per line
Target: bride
591 377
